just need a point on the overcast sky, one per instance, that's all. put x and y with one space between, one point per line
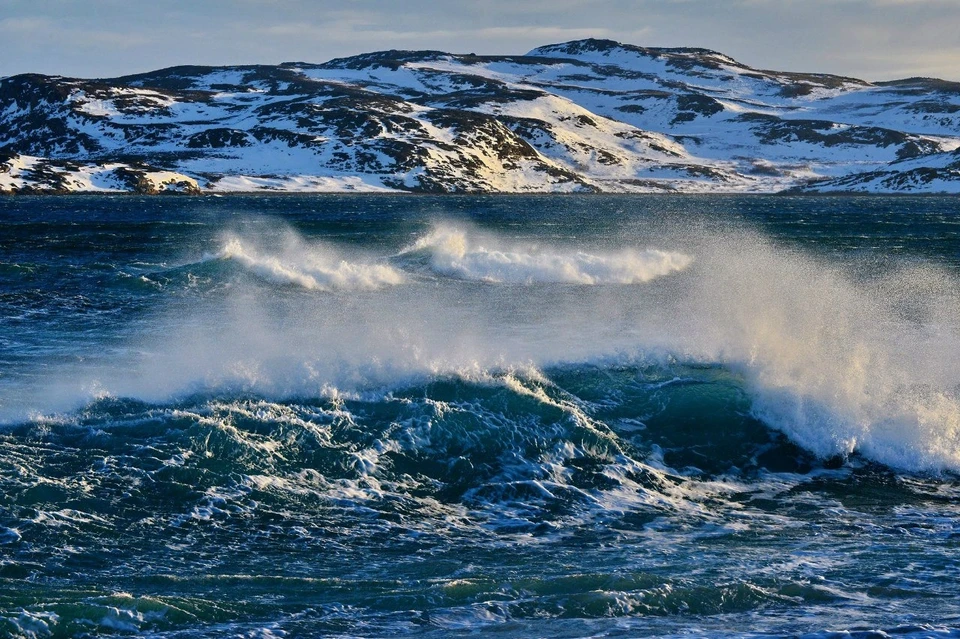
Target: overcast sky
869 39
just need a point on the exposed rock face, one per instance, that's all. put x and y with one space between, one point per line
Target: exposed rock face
590 115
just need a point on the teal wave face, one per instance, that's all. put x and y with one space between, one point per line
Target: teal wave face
552 442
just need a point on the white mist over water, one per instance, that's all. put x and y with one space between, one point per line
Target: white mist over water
840 358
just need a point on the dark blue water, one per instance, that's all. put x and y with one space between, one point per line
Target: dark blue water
369 416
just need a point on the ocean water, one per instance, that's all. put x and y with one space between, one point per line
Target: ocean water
375 416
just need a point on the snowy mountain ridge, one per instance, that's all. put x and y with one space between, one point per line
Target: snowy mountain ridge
588 115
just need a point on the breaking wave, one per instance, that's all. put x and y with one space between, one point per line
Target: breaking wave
467 255
309 267
843 359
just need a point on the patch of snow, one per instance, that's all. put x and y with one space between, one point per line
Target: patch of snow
301 184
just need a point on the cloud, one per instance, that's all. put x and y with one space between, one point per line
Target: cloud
38 31
24 25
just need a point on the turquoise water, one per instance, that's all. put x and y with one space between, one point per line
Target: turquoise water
525 416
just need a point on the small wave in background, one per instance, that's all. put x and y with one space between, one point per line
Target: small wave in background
471 255
309 267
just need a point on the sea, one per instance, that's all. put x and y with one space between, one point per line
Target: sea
504 415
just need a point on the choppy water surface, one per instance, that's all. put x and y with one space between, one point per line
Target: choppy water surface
528 416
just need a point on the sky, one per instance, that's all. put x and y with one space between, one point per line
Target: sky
867 39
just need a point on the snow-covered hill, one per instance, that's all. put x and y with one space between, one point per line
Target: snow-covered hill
589 115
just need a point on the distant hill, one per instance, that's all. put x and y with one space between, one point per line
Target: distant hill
588 115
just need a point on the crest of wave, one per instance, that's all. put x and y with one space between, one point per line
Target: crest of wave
469 255
310 267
